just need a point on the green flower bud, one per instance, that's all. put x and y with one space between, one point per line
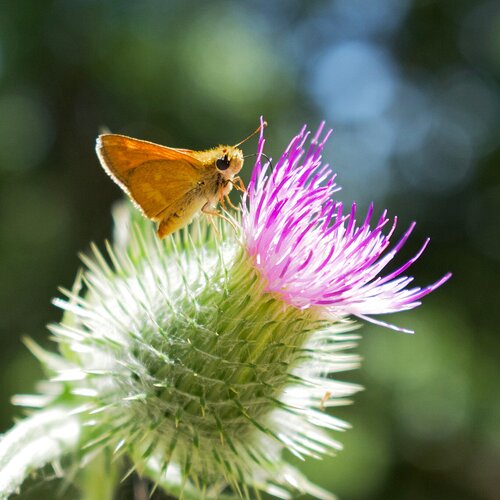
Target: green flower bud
180 359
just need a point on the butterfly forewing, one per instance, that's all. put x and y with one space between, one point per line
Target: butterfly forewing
154 176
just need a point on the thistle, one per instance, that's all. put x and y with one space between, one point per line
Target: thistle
197 360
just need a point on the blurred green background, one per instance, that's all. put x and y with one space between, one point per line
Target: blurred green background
411 88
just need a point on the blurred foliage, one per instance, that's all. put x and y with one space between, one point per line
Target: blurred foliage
411 88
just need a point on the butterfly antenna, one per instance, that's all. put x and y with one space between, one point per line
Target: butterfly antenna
251 135
262 154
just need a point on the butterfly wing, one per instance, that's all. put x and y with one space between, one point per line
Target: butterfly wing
155 177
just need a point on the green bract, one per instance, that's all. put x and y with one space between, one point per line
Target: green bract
175 361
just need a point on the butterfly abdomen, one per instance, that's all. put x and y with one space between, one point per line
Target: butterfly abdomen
180 213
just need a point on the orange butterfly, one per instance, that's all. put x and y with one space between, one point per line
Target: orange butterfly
171 185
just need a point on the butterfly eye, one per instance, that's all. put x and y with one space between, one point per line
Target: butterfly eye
222 163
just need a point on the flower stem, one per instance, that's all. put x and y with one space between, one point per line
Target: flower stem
39 439
173 485
99 479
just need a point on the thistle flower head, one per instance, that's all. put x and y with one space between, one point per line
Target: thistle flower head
312 253
201 358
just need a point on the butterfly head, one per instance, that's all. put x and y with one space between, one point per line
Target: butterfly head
229 161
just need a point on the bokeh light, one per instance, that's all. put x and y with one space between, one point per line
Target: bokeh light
412 91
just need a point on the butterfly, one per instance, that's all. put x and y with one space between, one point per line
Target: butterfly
171 185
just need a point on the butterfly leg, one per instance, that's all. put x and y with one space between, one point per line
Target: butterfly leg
207 209
229 202
324 399
237 182
224 198
214 226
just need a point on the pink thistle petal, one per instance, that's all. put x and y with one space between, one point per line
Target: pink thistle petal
313 254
